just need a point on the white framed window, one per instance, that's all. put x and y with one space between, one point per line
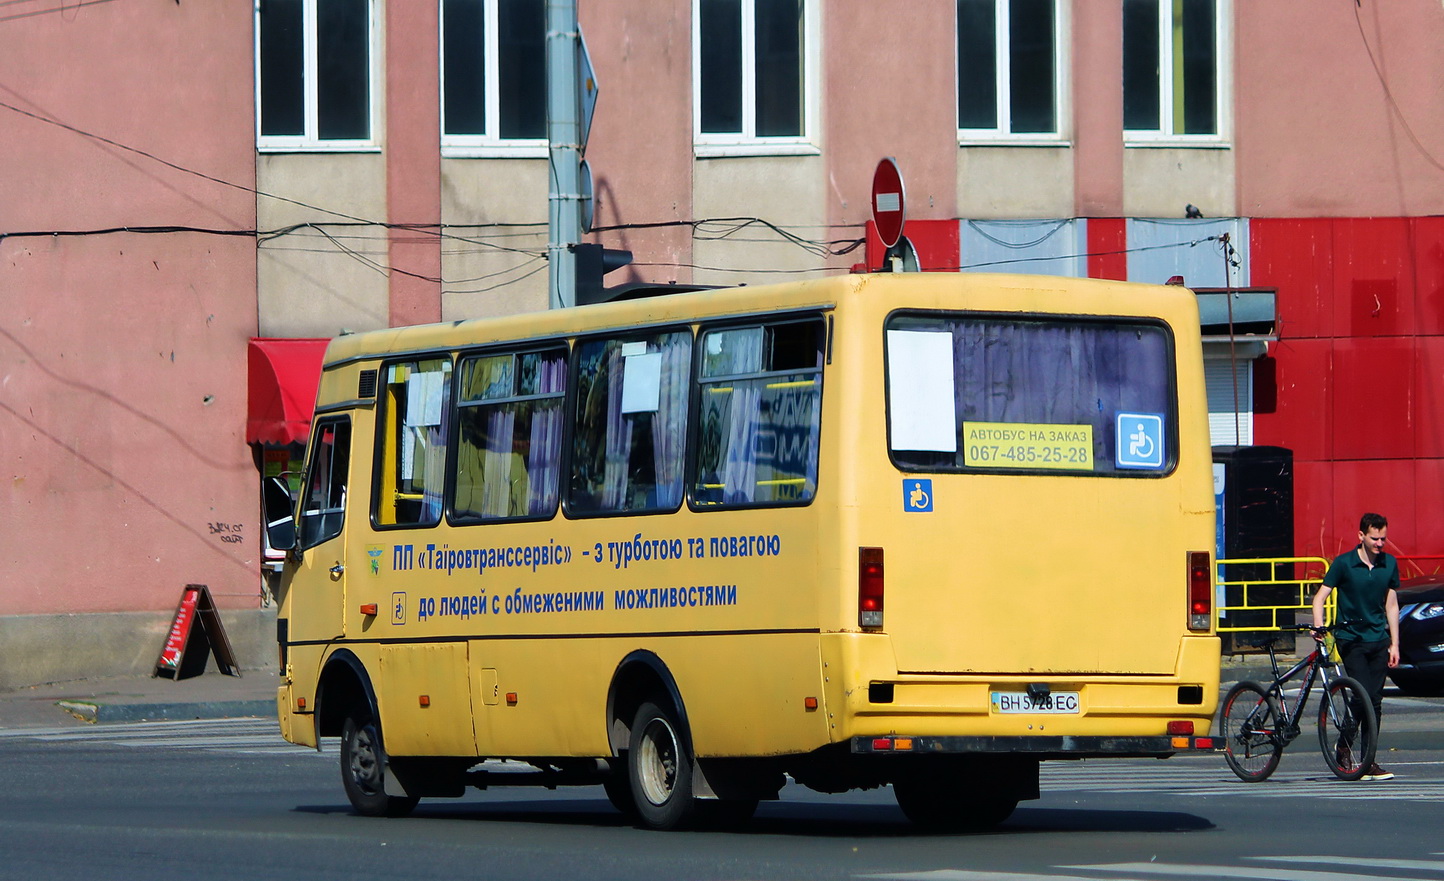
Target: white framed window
316 74
1010 69
1175 70
493 77
754 66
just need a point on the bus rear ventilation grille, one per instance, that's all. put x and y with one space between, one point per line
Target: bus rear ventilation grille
366 386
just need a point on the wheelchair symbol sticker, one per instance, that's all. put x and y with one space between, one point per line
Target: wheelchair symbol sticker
918 496
1139 440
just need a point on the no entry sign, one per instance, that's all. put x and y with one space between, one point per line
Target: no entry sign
887 202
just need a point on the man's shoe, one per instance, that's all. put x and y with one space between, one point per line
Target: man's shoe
1377 773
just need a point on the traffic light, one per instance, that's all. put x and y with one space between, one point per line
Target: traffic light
592 262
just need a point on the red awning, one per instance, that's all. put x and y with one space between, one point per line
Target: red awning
283 379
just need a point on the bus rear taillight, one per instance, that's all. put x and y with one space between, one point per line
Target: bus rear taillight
869 588
1200 591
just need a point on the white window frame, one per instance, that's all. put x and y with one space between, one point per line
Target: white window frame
1163 136
490 144
1062 26
746 142
309 141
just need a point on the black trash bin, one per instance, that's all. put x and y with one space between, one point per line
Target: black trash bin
1257 521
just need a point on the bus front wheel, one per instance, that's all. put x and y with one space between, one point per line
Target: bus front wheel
363 770
659 768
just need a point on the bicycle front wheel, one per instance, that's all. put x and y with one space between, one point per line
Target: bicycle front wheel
1348 731
1249 725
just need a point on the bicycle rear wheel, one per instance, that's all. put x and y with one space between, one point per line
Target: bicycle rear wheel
1249 725
1348 731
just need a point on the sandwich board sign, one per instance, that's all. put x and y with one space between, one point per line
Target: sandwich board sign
195 632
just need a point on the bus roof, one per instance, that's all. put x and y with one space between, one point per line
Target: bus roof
981 291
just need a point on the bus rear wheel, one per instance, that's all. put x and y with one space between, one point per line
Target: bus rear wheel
659 769
363 770
618 786
946 805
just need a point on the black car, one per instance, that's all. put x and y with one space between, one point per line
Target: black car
1421 636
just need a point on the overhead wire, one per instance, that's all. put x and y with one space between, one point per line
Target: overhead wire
64 7
1389 95
705 229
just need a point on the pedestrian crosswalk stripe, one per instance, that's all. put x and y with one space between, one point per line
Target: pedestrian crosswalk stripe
1163 871
1195 781
1370 862
232 736
1268 873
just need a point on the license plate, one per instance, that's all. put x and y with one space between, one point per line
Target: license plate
1022 702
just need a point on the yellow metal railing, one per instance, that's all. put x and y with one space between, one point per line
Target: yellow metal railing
1260 601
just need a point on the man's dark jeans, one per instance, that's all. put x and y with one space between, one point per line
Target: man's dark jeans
1367 662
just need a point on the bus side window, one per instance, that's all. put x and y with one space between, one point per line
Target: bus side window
630 424
508 456
759 415
323 510
414 421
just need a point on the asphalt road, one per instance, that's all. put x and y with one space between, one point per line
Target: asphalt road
230 800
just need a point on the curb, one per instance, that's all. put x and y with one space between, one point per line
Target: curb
97 713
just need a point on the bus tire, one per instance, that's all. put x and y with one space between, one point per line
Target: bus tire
618 787
363 769
659 769
940 806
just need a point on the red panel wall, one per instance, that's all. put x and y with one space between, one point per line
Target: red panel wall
1360 368
1373 277
1428 525
938 244
1300 420
1296 256
1372 408
1107 248
1428 252
1429 399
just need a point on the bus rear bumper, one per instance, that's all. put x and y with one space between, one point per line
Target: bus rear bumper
1038 746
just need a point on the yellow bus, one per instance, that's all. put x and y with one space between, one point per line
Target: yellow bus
917 530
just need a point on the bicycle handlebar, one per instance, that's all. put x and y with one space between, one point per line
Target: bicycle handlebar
1309 628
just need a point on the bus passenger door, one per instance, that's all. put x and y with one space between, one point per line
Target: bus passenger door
318 590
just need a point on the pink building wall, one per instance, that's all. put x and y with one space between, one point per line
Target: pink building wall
413 161
1097 103
640 149
887 90
122 355
1322 131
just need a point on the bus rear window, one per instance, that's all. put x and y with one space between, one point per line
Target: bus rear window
1053 395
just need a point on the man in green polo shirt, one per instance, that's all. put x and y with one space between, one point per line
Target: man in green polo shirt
1368 613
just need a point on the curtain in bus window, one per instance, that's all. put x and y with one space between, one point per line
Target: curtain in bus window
544 454
416 414
631 423
759 420
507 461
1060 374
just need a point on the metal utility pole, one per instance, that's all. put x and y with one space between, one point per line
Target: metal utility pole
564 149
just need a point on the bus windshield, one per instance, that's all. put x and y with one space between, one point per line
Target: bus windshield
971 392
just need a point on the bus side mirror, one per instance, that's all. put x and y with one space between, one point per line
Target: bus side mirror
278 508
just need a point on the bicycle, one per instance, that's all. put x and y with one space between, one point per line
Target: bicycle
1258 721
